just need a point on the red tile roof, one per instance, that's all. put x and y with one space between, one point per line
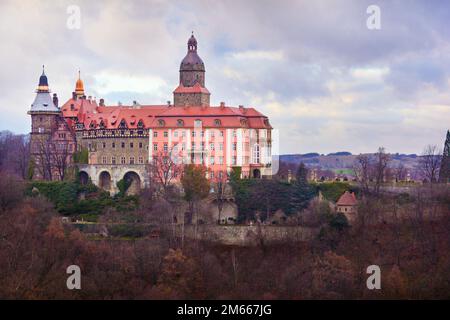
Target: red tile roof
87 112
347 199
197 88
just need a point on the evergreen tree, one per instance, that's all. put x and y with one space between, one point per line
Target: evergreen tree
444 175
302 192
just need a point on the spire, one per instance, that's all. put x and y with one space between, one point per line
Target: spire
43 82
192 43
79 86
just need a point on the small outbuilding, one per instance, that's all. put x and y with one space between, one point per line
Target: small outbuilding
347 204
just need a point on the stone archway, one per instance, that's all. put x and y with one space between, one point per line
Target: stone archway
83 177
134 182
105 181
256 173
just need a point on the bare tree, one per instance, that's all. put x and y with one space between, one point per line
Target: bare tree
400 172
379 168
43 159
370 170
164 169
60 157
430 162
219 183
362 170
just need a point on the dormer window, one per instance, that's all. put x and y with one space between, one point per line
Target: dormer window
198 123
180 123
243 122
161 123
102 125
140 124
122 124
92 125
217 122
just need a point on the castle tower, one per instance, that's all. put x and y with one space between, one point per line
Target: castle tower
44 121
191 90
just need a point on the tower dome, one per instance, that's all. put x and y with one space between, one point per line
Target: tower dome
79 86
43 82
192 62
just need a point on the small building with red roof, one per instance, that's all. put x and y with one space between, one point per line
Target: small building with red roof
347 204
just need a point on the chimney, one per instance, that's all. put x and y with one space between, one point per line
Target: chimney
102 102
74 96
241 108
168 103
222 105
55 100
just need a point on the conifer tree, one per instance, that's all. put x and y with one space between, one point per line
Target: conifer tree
444 175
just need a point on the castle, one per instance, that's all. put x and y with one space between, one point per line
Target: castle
121 142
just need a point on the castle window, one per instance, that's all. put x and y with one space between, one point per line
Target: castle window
161 123
256 153
140 145
217 122
123 124
131 145
113 145
104 145
141 160
123 144
131 160
104 160
113 160
180 123
122 160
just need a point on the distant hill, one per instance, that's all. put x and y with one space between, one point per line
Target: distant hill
343 160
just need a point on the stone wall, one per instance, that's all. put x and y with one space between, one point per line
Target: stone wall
117 173
248 235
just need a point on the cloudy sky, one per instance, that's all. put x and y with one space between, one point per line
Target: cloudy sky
326 81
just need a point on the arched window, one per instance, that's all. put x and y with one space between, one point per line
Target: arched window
140 124
180 123
217 122
198 123
161 123
122 124
256 153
